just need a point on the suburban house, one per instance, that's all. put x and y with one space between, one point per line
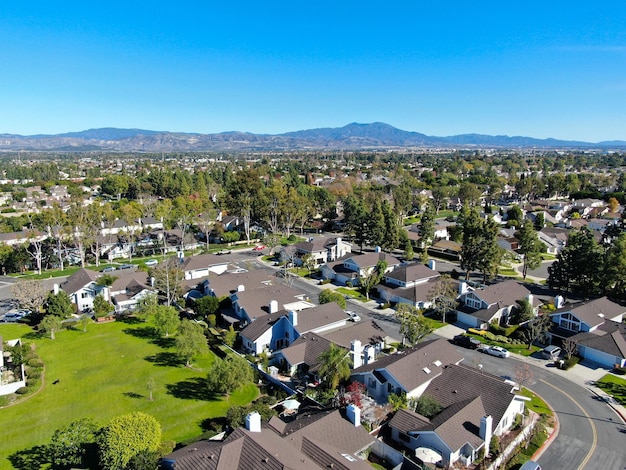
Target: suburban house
365 340
446 249
323 250
129 288
229 282
495 303
196 267
595 327
248 305
411 284
408 371
475 407
309 439
351 267
83 287
278 330
21 237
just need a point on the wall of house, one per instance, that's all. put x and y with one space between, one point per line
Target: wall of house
607 360
515 407
470 320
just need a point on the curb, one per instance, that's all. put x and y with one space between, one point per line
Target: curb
618 411
555 432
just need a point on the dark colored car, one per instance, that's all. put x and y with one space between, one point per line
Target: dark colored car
466 341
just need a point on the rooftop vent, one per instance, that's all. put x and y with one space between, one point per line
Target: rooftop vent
426 369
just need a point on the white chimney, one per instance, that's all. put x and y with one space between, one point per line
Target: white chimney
462 287
55 289
486 431
241 288
530 299
558 301
152 281
432 264
253 422
353 413
368 354
273 306
293 317
355 351
377 249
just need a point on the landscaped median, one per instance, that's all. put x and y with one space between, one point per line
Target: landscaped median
491 339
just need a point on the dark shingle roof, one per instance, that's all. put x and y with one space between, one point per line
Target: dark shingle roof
306 350
609 338
507 292
412 273
407 366
594 312
79 279
367 332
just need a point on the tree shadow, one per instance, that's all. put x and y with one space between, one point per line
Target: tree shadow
146 332
133 395
215 425
165 359
164 343
129 320
191 389
30 459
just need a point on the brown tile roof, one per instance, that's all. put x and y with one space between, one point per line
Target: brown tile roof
135 281
459 383
226 283
79 279
417 293
506 292
412 273
594 312
609 338
367 332
306 350
203 261
256 302
407 366
319 316
254 330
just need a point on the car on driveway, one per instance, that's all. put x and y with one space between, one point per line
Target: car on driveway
151 263
551 352
353 316
466 341
495 351
12 317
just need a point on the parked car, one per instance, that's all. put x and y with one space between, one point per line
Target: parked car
259 248
224 252
551 352
495 351
151 263
126 266
353 316
108 269
12 317
530 465
466 341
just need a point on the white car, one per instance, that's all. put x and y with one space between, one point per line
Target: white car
496 351
12 317
353 316
151 262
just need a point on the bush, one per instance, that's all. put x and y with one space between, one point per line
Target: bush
502 339
571 362
36 363
476 332
22 391
34 374
325 281
292 238
490 336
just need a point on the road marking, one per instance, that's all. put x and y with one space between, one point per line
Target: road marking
593 426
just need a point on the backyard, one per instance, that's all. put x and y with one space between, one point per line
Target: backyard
105 373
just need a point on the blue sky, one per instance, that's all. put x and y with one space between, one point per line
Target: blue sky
540 69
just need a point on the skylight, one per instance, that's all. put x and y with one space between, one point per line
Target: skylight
437 363
426 369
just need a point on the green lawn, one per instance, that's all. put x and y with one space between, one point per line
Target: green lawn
521 349
103 373
615 386
535 404
355 294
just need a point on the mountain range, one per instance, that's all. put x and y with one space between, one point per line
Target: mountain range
353 136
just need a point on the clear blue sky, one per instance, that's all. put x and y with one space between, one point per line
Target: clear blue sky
542 69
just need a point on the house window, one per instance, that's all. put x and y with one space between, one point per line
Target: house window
84 295
372 383
404 437
389 388
569 322
286 334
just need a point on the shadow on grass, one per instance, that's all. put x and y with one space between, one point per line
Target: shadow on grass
191 389
164 343
129 320
133 395
166 359
146 332
30 459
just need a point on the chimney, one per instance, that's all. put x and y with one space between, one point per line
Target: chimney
55 289
462 287
152 281
432 264
486 431
530 299
253 422
353 413
355 351
368 354
293 317
377 249
241 288
558 301
273 306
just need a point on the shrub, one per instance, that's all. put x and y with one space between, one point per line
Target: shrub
571 362
36 363
476 332
490 336
22 391
292 238
325 281
34 374
502 339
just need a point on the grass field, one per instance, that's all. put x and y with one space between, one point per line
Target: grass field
104 373
615 386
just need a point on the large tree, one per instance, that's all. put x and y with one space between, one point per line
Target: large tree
615 273
329 295
334 366
529 247
443 295
480 250
166 320
127 436
70 444
59 304
190 341
228 374
50 325
579 266
29 293
413 324
168 279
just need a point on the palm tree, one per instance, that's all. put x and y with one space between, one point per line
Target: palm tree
334 366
